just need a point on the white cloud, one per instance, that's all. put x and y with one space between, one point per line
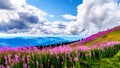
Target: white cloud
50 28
17 2
94 16
5 4
51 15
69 17
17 17
6 16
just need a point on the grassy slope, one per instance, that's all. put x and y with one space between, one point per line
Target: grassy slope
107 62
111 62
111 35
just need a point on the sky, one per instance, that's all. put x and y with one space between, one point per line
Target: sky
57 8
58 17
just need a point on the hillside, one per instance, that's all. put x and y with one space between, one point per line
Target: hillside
106 55
101 37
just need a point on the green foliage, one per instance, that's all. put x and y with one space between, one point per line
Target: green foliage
113 62
110 36
109 57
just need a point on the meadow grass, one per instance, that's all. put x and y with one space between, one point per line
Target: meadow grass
101 50
112 36
58 57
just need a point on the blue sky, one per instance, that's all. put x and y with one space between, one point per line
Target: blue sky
57 7
70 17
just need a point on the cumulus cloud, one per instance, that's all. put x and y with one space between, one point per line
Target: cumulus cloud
69 17
51 15
24 18
17 17
49 28
94 16
5 5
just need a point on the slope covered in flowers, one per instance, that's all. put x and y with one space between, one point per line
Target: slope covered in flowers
57 57
101 37
97 51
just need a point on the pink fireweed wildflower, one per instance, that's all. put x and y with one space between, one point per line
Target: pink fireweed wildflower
48 60
60 49
62 62
6 60
23 59
7 66
25 65
26 55
1 66
76 59
83 48
16 59
37 63
104 45
70 59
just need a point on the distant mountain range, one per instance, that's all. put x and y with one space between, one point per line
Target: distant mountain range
33 41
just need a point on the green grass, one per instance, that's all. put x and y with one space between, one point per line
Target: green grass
112 36
109 61
112 62
108 57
